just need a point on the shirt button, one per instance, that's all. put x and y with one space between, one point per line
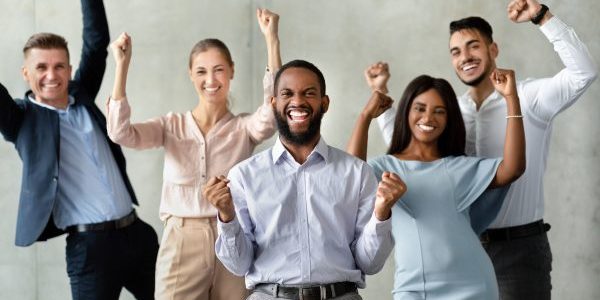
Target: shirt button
54 179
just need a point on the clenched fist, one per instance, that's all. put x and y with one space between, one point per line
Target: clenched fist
390 189
377 76
217 193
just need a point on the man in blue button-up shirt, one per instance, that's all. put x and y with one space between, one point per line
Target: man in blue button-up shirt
74 177
302 218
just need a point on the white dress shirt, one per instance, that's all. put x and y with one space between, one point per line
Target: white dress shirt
303 224
541 100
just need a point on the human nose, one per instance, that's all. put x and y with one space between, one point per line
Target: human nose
465 55
50 73
427 116
210 78
297 100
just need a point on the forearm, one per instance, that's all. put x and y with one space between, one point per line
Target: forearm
374 246
261 124
148 134
385 123
11 115
581 69
273 53
359 139
96 38
120 85
233 248
95 25
513 163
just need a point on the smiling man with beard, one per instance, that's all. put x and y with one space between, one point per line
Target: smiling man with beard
284 223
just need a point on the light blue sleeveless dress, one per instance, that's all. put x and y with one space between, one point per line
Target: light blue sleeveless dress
437 253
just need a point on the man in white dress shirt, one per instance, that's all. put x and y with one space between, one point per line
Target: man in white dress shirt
516 241
303 220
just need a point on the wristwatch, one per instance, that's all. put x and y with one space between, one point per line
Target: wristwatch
540 15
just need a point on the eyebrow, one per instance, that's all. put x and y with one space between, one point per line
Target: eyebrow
469 42
423 104
202 67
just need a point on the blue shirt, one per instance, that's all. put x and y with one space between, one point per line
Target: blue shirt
437 253
303 224
90 187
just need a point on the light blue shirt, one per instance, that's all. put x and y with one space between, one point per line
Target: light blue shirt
90 187
437 253
303 224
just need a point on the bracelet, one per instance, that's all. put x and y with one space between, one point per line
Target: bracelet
540 15
514 116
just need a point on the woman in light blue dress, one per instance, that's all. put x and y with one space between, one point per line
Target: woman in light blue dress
437 253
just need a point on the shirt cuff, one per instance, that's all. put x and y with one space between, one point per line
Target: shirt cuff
229 229
380 228
553 28
115 103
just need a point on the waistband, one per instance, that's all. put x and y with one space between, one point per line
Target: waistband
181 222
317 292
103 226
514 232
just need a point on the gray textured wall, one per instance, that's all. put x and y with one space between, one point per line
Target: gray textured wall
342 37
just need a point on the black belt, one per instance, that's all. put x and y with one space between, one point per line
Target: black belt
325 291
515 232
102 226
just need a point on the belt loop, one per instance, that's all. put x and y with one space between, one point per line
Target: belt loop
276 290
323 292
333 294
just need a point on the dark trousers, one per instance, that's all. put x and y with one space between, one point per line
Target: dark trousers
522 267
101 263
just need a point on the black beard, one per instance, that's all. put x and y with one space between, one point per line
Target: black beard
298 138
478 80
474 82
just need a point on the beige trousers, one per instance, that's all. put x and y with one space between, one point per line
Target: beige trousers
187 267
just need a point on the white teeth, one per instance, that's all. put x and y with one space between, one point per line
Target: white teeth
298 115
426 127
295 113
210 90
469 67
51 85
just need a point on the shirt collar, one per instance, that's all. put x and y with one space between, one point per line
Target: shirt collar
467 100
71 102
279 151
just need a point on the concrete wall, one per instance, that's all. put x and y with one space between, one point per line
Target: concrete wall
342 37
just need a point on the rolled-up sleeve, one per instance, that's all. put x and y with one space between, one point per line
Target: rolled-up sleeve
261 124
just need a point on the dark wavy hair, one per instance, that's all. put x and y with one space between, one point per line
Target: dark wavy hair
452 141
473 23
